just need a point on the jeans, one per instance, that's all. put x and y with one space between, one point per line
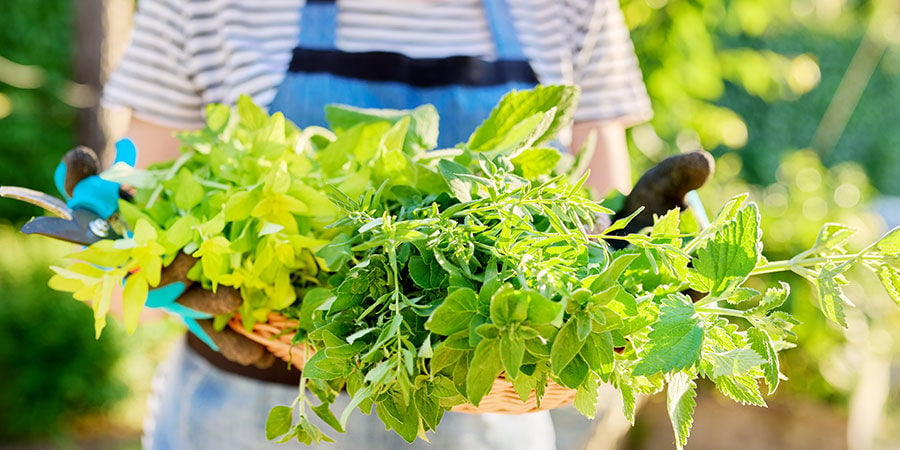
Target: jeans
196 406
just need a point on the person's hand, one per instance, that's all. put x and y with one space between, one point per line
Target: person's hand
663 188
196 306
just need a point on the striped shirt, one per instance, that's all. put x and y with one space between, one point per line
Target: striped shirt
185 54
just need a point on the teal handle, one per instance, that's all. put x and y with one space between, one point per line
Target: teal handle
164 299
94 193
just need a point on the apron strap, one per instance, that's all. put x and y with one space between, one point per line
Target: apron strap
503 29
318 22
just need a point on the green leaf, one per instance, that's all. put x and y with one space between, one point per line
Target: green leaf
730 255
321 367
733 362
455 313
521 136
831 296
890 243
133 297
608 277
629 401
675 339
565 346
279 421
730 209
454 174
741 295
518 106
253 117
773 298
421 135
598 353
509 305
586 397
535 162
426 273
188 192
742 389
833 235
761 343
890 279
575 373
337 252
681 392
328 417
512 349
358 397
542 310
217 116
486 365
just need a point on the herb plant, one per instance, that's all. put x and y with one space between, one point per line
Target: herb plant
418 277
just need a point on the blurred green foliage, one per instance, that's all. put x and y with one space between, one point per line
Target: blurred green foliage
36 124
53 370
758 75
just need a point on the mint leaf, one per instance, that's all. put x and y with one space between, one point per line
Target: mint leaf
890 279
741 295
535 162
742 389
460 186
729 256
518 106
832 235
773 298
831 296
730 209
733 362
890 243
761 343
674 340
586 397
279 421
680 403
421 135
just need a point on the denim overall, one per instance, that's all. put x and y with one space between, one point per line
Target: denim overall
463 89
203 407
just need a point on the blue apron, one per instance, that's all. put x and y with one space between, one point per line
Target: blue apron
464 89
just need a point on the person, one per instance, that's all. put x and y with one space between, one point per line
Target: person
296 56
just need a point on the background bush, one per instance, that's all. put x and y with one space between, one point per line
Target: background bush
37 125
52 369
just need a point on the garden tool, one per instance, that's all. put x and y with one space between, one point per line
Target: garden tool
669 184
89 214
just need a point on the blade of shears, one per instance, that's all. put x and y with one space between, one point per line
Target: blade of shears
85 228
51 204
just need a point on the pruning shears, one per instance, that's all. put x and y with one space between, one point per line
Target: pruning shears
89 212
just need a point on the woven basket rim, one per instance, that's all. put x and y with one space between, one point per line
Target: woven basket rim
502 398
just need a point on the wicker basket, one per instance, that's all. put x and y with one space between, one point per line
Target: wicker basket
502 399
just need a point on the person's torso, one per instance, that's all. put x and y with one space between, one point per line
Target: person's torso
239 47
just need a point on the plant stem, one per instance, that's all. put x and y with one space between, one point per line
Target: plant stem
720 311
789 264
